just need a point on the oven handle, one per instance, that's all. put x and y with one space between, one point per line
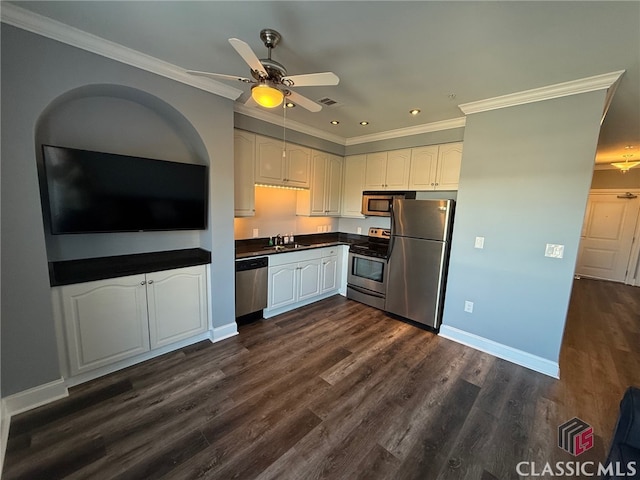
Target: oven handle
366 292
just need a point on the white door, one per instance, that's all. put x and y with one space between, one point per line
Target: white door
423 168
105 321
375 171
354 170
607 236
397 174
449 162
282 285
298 165
309 278
329 274
244 152
177 301
333 188
269 161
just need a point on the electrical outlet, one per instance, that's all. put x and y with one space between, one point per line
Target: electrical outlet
554 251
359 230
479 242
319 229
468 306
256 233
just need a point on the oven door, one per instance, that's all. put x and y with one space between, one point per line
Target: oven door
369 273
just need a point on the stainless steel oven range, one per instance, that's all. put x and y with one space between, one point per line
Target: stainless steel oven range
367 277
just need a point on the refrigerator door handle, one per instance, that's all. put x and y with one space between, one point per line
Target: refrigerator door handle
393 229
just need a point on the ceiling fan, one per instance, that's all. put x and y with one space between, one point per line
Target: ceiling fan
270 81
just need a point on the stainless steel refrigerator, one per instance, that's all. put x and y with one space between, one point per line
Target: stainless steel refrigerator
418 259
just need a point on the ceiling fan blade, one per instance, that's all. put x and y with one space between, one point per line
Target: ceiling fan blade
311 79
304 102
248 56
218 76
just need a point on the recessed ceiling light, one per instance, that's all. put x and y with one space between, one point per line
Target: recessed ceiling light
334 122
363 123
415 111
289 105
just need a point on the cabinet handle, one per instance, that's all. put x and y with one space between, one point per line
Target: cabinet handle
150 282
142 282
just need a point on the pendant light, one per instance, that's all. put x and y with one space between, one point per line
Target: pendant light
626 165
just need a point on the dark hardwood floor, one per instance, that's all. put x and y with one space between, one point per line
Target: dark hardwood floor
338 390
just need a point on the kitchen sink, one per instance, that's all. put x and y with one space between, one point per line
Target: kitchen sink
280 248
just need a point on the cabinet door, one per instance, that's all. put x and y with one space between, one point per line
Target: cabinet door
354 174
318 184
282 285
177 301
449 162
244 155
298 166
333 188
309 279
397 169
269 161
105 321
376 170
422 175
329 274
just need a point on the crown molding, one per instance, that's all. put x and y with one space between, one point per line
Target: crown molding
46 27
574 87
408 131
259 114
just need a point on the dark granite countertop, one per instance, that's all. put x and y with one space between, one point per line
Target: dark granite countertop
260 246
88 269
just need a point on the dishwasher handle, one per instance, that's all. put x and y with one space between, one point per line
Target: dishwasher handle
252 264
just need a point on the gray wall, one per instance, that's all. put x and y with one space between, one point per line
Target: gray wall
37 74
525 178
430 138
255 125
616 179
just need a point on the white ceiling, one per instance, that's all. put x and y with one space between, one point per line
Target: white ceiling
392 56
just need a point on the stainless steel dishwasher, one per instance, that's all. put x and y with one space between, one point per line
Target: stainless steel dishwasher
251 285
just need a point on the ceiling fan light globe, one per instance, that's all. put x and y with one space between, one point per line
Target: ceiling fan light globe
267 96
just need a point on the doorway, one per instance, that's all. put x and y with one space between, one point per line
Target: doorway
607 247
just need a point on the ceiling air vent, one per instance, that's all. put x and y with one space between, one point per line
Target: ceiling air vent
328 102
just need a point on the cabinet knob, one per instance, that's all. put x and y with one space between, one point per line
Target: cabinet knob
150 282
433 184
142 282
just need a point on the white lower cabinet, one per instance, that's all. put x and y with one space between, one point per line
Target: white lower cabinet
300 278
106 321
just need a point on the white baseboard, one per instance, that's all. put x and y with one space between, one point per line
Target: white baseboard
225 331
5 422
499 350
35 397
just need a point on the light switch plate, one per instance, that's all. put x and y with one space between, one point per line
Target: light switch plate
479 242
468 306
554 251
256 233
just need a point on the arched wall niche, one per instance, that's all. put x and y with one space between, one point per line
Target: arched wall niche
123 120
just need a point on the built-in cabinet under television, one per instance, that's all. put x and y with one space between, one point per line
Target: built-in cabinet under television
95 192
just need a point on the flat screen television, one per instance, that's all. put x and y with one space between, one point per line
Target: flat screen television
95 192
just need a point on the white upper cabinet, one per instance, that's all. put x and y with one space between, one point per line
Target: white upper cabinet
388 170
324 196
244 153
354 181
435 167
449 162
274 168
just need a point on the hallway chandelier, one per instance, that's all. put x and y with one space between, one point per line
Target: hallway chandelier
626 165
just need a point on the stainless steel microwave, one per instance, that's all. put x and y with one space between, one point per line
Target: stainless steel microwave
378 204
